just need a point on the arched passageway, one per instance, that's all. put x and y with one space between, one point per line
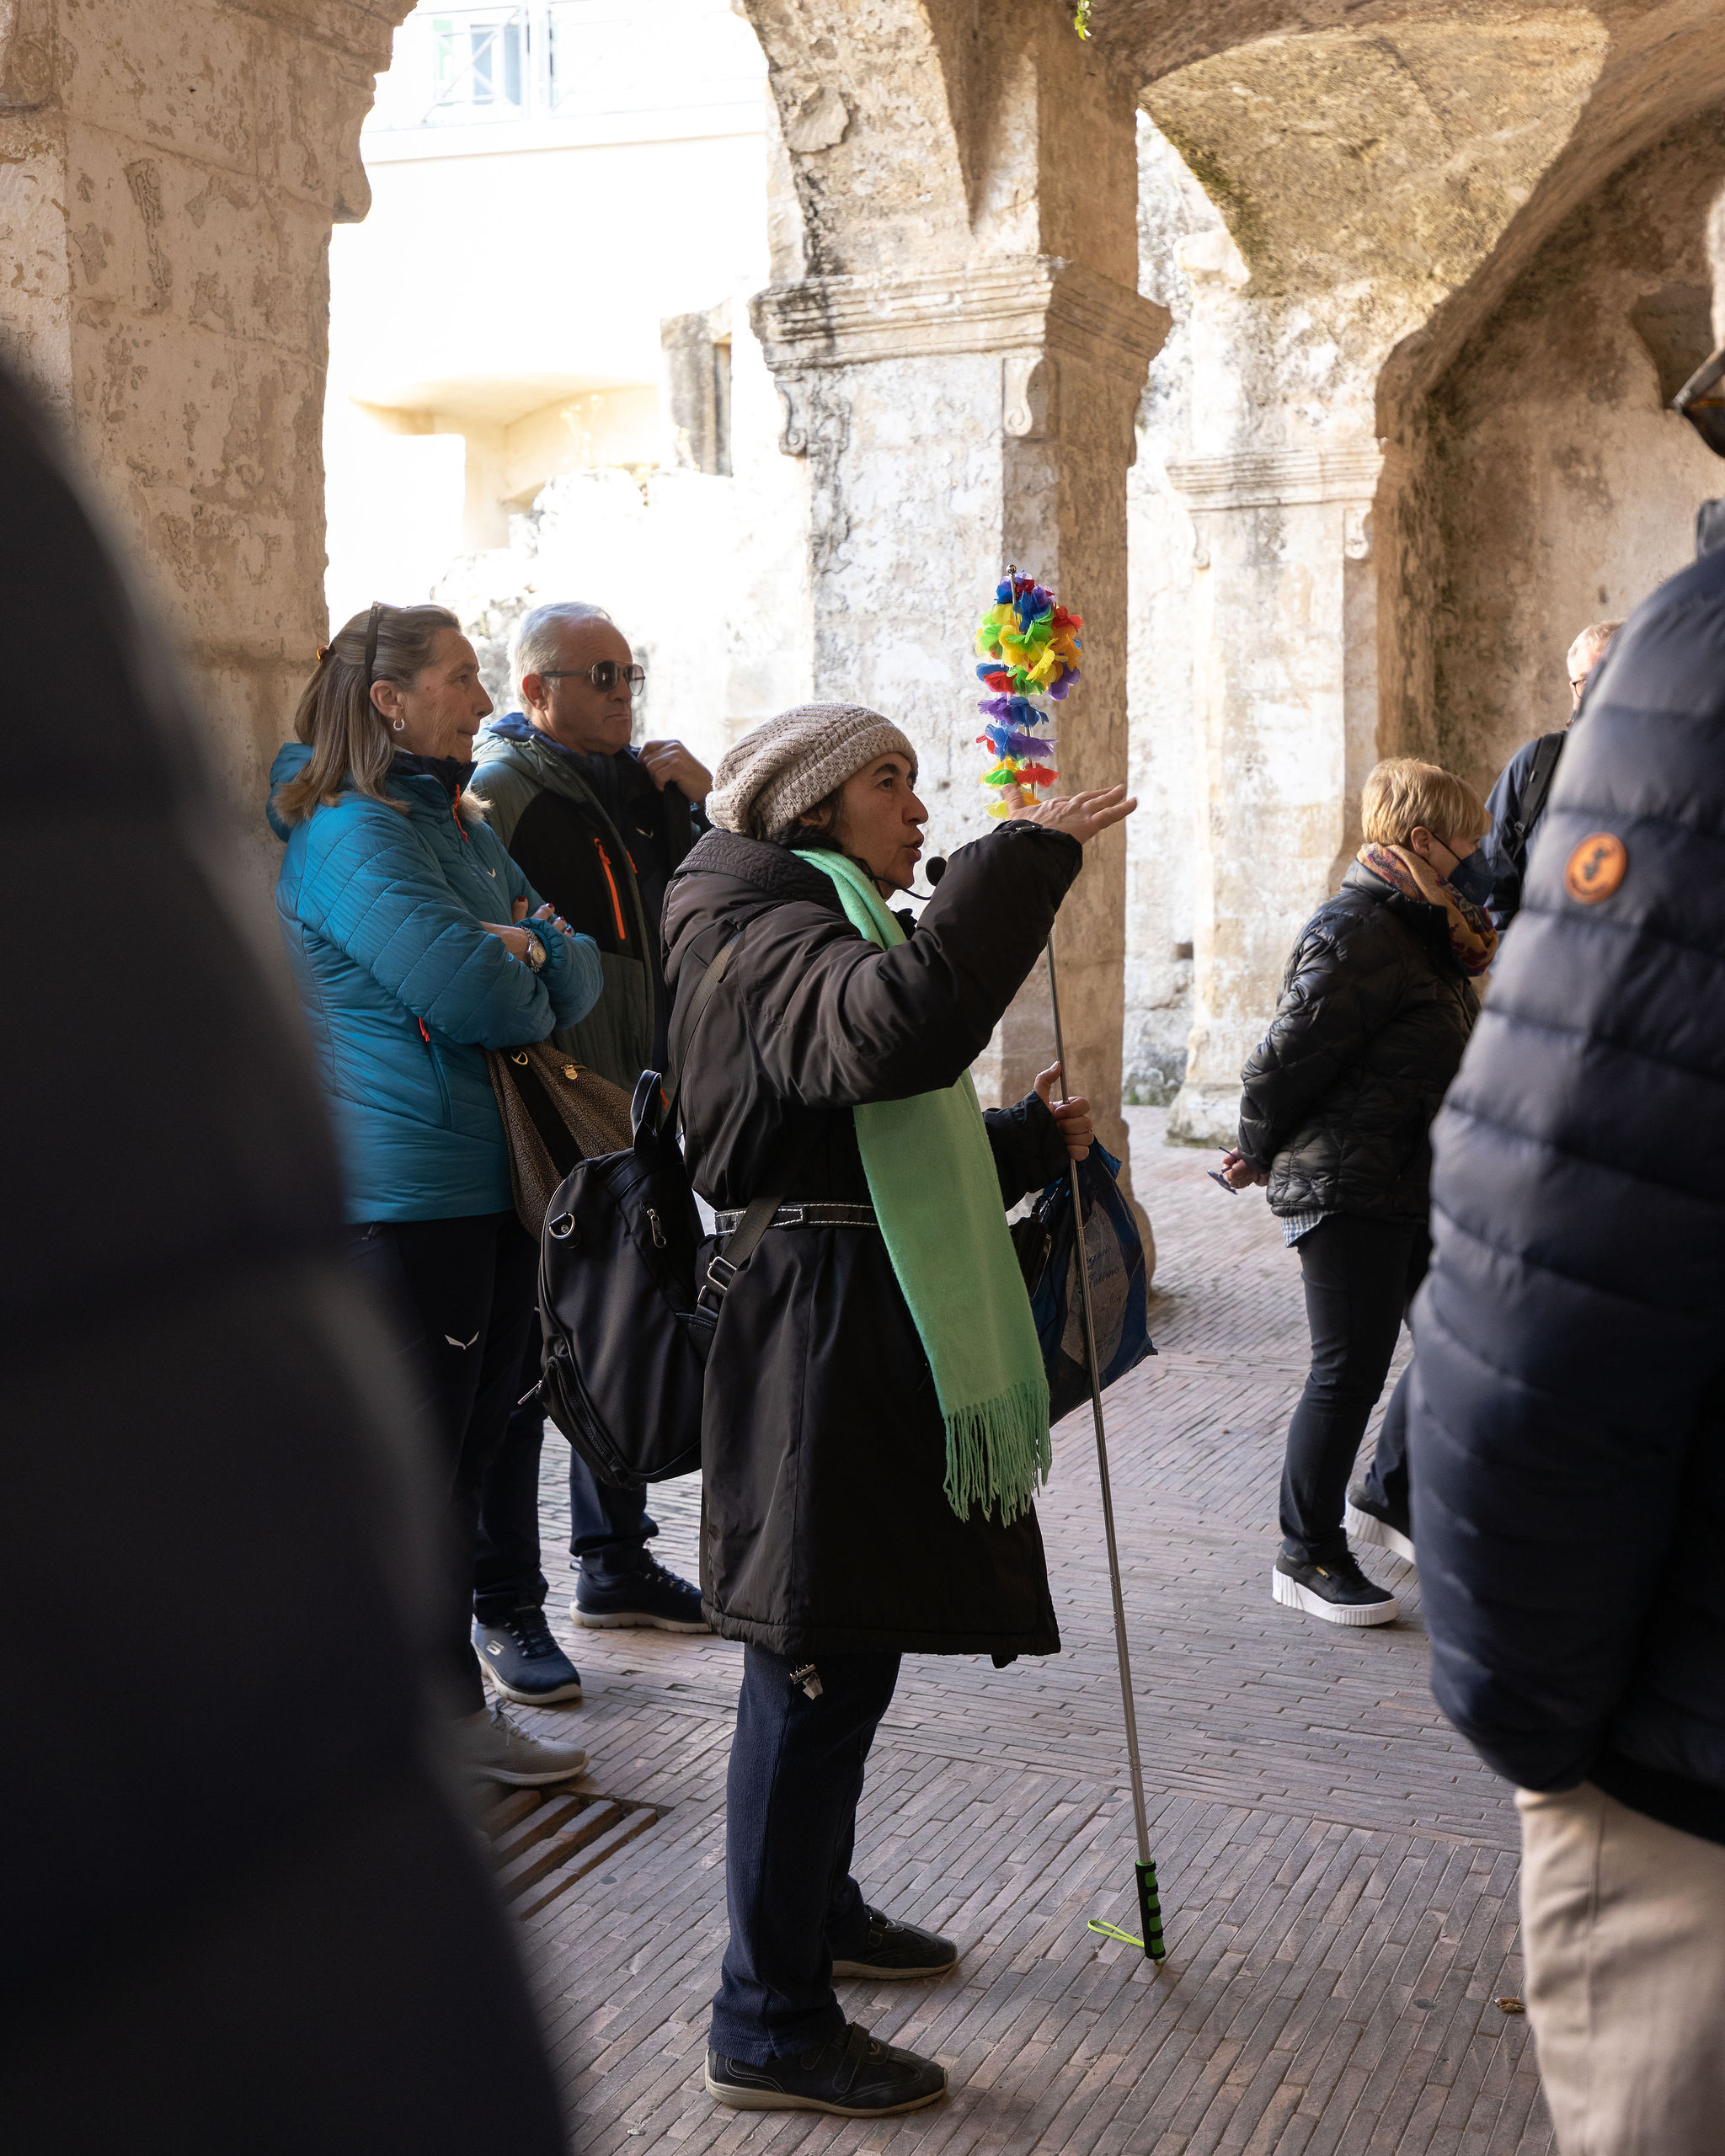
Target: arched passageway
1372 232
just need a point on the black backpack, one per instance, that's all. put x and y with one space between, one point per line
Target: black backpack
626 1324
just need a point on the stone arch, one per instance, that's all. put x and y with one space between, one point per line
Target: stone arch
1378 188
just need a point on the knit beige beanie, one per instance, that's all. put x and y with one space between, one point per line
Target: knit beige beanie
769 778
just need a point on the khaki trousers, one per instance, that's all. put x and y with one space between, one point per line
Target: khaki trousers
1623 1929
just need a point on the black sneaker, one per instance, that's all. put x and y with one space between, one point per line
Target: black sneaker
1339 1592
648 1597
524 1661
1378 1525
896 1950
855 2075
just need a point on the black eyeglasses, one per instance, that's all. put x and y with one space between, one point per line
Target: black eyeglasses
1702 401
371 628
605 675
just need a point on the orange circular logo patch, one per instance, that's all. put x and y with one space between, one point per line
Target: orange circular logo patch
1596 867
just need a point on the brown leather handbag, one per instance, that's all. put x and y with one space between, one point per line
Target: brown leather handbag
556 1112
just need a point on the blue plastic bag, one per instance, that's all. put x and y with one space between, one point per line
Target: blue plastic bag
1048 1253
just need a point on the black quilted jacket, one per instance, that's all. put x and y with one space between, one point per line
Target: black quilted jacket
1568 1436
825 1528
1340 1093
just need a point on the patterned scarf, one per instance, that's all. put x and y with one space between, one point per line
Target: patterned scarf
1473 940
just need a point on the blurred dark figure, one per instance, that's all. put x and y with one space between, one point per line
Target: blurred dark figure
1567 1425
237 1909
1517 802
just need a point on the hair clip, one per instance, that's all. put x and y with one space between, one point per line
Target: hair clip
323 652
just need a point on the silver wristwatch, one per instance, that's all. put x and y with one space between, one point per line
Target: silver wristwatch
536 953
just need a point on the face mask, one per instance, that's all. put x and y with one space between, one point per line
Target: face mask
1472 877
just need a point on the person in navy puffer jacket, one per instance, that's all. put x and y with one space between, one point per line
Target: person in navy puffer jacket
417 944
1567 1422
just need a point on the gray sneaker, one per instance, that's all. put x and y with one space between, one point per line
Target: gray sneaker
492 1748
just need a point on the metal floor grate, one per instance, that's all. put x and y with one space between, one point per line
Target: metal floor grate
542 1841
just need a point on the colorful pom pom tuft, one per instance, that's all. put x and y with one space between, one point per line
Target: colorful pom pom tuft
1029 648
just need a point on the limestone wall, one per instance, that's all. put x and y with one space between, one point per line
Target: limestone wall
169 170
1554 486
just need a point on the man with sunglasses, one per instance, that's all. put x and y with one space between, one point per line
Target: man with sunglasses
605 825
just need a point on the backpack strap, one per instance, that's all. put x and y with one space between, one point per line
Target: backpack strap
1540 773
758 1218
714 974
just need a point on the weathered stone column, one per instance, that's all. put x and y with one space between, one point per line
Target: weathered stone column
963 385
1286 635
169 172
955 423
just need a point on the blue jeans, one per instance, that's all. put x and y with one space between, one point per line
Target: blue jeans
796 1773
608 1528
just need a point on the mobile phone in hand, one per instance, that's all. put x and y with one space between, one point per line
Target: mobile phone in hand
1215 1175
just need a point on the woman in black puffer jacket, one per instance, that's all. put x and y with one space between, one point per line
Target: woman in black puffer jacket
833 1538
1376 1007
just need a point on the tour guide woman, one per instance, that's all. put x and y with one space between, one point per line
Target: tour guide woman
877 1415
407 930
1376 1009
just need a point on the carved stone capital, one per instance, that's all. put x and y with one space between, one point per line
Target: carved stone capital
1280 478
1029 396
1018 303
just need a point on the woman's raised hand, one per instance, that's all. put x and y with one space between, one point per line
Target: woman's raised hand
1072 1115
1081 816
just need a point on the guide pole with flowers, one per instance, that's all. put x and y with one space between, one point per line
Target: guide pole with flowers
1029 648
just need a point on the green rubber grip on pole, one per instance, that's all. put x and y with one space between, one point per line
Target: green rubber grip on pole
1150 1911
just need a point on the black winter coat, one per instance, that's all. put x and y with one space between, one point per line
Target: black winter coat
1340 1093
1569 1428
825 1528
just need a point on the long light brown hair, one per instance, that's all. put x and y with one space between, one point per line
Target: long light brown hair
348 735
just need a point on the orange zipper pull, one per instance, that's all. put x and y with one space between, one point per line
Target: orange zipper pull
617 903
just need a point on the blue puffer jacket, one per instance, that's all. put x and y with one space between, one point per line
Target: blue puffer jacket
1567 1441
404 991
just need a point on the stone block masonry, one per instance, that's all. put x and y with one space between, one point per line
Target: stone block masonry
169 172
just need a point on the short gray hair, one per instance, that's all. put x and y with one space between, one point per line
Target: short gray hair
1591 647
533 647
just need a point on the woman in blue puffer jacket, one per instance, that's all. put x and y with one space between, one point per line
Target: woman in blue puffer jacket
417 944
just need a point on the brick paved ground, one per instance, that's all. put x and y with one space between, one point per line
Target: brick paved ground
1338 1872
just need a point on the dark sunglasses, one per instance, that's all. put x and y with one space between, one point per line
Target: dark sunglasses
1702 401
604 674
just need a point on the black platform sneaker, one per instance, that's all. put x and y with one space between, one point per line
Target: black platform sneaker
855 2076
1339 1592
1380 1526
887 1948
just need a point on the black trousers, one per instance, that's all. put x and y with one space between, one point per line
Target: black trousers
462 1294
1359 1277
609 1528
796 1773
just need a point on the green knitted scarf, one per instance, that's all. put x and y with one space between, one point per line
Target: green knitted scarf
933 1183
